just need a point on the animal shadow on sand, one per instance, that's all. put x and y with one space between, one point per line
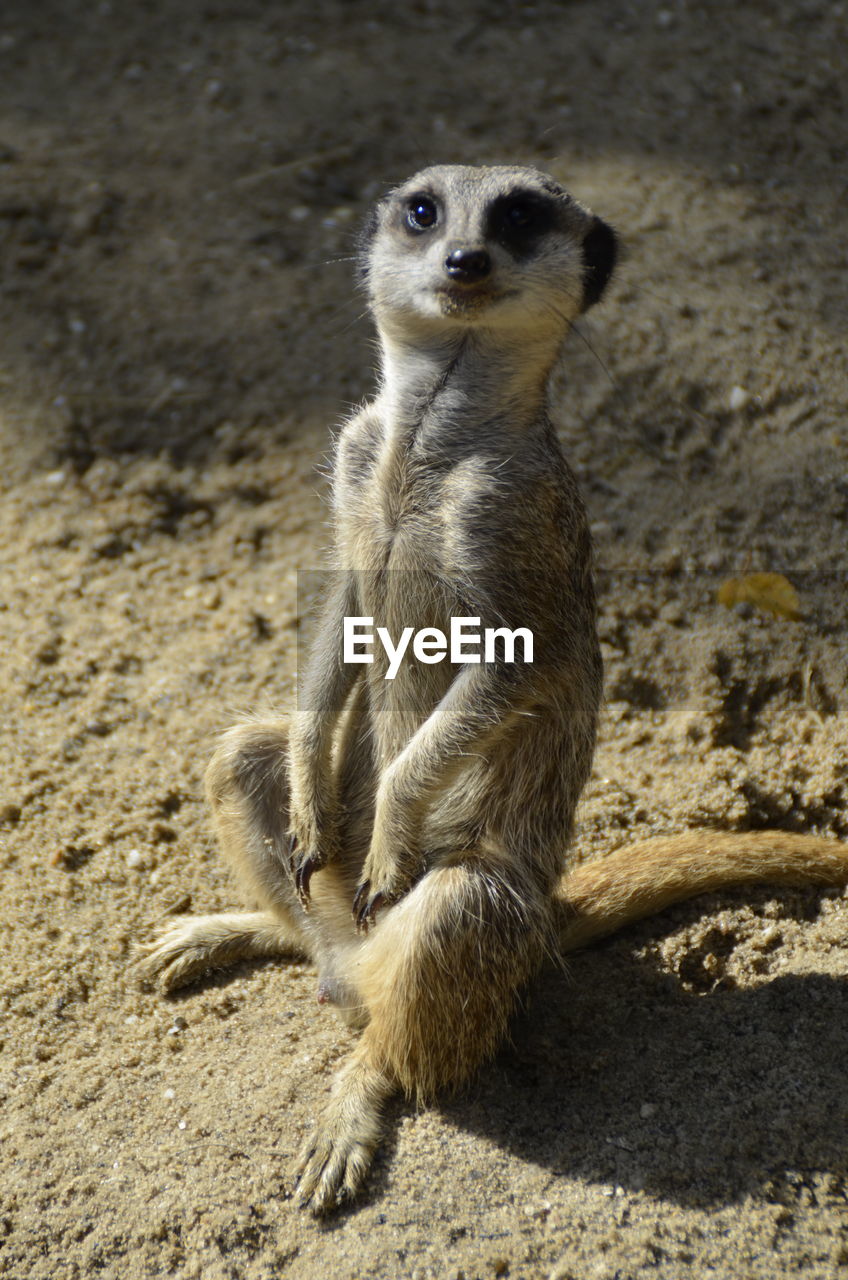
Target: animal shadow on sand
622 1072
671 1080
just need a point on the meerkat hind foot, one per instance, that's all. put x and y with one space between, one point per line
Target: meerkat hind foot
188 946
337 1155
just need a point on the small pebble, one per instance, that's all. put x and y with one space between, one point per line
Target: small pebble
134 858
738 398
540 1209
170 1093
647 1110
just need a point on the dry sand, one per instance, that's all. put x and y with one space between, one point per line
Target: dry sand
179 183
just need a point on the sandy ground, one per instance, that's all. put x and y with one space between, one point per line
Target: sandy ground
179 183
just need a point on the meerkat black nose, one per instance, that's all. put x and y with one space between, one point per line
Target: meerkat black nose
468 265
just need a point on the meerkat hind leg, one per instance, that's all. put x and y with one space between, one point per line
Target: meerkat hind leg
337 1155
248 791
247 786
439 976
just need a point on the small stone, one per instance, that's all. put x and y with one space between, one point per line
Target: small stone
738 398
768 939
537 1209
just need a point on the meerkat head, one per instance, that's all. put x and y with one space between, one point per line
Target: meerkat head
503 249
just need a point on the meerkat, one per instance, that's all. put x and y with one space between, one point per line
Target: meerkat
410 834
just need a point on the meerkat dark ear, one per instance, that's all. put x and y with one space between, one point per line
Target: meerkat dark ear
600 251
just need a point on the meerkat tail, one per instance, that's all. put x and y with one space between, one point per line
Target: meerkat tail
639 879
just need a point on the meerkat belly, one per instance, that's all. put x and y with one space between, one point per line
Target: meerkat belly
421 598
411 604
410 587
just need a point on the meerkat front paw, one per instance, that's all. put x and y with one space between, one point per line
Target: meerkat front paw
312 845
387 875
304 864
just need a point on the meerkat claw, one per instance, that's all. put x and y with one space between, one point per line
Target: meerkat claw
366 905
302 876
360 904
360 896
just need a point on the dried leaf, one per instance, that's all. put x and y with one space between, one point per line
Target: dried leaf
770 592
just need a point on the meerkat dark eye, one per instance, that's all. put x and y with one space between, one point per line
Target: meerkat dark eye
519 216
519 220
421 213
